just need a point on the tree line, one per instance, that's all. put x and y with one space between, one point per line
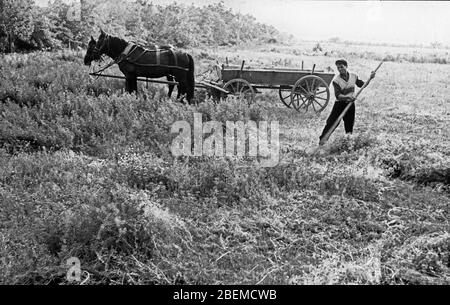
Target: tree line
23 24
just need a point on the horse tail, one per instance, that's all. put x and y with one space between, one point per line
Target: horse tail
190 79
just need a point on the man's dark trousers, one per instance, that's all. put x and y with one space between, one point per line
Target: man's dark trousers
349 117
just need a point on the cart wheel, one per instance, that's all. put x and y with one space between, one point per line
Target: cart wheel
310 91
285 96
241 88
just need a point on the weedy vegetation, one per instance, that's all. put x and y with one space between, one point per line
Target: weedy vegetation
86 171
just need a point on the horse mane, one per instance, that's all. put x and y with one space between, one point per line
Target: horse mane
119 40
115 44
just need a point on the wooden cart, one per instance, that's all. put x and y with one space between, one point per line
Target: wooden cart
298 88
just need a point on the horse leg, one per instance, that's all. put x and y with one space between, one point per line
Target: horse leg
127 85
133 84
190 80
170 79
181 91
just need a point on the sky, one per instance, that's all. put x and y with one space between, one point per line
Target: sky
371 21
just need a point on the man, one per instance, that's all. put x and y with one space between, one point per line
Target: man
344 89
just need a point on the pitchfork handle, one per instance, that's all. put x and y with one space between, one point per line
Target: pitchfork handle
367 83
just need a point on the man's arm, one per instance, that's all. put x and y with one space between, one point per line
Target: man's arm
361 83
338 92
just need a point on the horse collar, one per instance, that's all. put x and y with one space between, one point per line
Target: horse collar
127 51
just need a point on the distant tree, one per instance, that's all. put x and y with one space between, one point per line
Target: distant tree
88 21
133 22
16 21
334 40
42 35
436 45
317 48
61 28
65 23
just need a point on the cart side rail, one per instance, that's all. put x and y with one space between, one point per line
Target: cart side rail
272 77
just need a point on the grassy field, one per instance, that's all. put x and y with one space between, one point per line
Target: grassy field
86 171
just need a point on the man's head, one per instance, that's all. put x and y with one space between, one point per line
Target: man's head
341 65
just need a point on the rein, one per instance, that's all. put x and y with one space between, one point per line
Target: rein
112 63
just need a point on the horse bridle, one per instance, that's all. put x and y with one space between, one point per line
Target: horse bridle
105 44
97 50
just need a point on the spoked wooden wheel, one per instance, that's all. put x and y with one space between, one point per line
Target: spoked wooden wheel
241 89
285 95
310 91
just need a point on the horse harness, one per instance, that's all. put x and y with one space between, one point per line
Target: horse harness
132 48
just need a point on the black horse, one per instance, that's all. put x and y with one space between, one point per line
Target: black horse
136 61
94 56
